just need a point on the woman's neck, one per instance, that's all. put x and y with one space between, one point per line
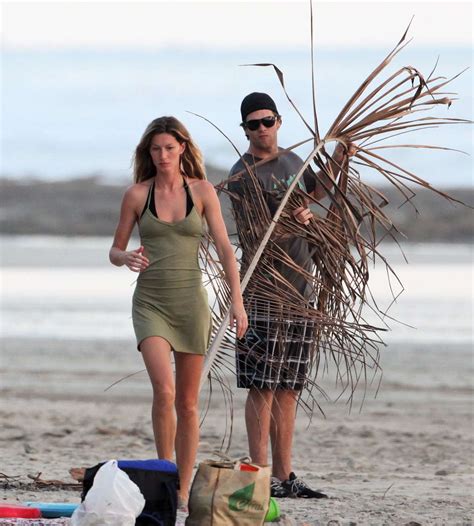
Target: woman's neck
169 181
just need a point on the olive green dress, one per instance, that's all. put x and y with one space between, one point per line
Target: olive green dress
169 299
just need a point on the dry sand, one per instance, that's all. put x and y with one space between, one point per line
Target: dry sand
406 458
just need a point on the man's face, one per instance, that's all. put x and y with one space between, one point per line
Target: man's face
262 138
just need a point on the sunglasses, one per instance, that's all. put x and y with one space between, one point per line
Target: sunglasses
254 124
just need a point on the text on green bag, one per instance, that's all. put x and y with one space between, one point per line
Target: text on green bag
242 499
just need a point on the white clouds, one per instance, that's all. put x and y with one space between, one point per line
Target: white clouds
227 24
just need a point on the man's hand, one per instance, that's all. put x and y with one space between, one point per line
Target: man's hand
341 151
302 215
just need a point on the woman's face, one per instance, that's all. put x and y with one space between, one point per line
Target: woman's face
165 152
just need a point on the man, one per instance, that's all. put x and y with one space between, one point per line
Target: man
273 390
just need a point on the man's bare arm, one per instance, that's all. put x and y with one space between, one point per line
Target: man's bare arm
324 181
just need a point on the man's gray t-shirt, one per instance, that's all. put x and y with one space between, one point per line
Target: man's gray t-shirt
275 176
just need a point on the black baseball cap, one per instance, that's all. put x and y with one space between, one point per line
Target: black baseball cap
257 101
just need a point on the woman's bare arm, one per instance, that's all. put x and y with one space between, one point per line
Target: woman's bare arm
213 214
118 254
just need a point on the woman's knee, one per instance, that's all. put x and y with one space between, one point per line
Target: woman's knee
186 407
163 399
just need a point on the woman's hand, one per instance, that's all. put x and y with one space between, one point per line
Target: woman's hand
135 260
239 317
303 215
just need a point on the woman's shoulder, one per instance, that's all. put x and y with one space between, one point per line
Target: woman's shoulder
202 186
139 188
137 191
203 192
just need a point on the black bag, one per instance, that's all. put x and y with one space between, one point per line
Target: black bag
158 481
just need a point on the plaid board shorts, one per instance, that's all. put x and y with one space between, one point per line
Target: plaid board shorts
275 352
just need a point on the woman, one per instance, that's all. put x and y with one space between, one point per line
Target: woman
169 201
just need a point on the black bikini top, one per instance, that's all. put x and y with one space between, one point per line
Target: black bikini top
150 202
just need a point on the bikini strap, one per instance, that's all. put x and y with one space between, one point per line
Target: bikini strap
189 197
151 193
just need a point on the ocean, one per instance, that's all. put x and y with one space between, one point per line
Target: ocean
73 113
64 288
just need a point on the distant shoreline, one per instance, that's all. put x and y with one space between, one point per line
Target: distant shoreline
90 207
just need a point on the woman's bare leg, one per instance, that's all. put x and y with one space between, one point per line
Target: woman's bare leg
188 375
156 352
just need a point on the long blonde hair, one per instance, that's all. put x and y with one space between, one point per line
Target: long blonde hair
192 163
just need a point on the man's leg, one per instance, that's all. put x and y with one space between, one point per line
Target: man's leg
257 418
282 428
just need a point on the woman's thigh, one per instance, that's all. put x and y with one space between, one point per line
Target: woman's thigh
156 352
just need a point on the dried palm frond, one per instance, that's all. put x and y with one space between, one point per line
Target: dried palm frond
344 237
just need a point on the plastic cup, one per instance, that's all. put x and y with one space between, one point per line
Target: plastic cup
248 467
273 512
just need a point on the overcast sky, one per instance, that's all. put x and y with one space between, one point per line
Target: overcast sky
230 24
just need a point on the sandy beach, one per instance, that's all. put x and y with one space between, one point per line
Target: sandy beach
404 458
